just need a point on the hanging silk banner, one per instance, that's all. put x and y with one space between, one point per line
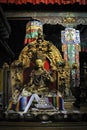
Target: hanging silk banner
70 39
32 28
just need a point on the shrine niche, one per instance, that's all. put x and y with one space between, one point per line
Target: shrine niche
40 73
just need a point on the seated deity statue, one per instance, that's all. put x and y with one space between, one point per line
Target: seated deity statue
39 80
38 85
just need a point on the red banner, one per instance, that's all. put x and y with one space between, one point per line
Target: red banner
81 2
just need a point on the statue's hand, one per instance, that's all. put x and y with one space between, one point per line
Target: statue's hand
25 93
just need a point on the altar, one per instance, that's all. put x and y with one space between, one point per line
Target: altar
44 126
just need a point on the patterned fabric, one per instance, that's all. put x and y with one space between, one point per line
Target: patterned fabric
32 28
70 39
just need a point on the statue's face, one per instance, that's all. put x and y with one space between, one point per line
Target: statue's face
41 47
39 63
30 55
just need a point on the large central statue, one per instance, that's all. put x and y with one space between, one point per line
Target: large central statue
39 70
